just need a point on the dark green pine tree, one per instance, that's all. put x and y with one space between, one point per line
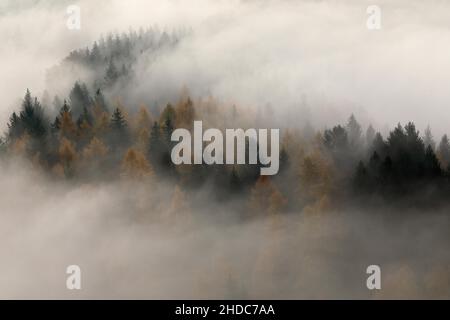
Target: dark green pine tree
379 146
56 125
155 143
79 99
159 151
15 128
431 163
32 117
168 130
118 122
119 130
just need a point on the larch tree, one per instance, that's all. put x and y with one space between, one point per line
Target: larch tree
67 156
185 114
94 150
135 165
315 177
265 198
141 128
67 128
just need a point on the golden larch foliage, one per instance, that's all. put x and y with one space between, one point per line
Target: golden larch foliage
20 145
265 198
316 177
101 123
141 128
135 165
67 156
95 149
143 119
68 128
185 114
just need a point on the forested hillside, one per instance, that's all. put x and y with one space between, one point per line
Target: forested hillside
96 136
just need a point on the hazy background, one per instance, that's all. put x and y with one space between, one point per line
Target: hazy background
258 52
132 242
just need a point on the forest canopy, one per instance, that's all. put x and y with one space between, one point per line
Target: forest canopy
93 134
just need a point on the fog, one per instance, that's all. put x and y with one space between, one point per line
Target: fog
135 245
258 52
313 61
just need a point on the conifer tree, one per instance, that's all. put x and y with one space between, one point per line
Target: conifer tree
444 151
99 101
118 122
370 136
111 74
79 99
32 117
15 128
354 132
431 163
428 139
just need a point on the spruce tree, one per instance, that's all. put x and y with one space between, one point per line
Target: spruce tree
444 151
118 122
32 117
15 128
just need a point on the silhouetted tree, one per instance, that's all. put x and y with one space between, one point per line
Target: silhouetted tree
79 99
431 163
15 128
444 151
32 117
379 146
428 139
370 136
361 177
119 135
336 138
354 132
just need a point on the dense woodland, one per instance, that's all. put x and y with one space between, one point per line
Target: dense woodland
92 135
